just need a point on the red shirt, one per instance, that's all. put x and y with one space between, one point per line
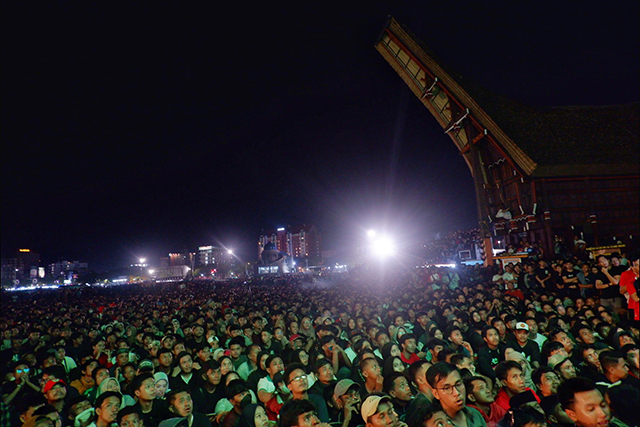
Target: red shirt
502 398
627 279
414 358
495 416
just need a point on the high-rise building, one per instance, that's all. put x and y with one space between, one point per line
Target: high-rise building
300 241
20 269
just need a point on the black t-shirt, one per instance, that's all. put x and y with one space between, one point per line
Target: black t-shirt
612 291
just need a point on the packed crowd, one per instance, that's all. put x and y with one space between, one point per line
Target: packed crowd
539 343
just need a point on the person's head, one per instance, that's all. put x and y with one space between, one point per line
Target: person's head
274 365
408 343
253 415
491 336
546 380
100 373
614 365
378 411
435 346
295 379
144 387
162 384
226 365
370 368
521 333
584 403
525 399
107 406
478 391
623 400
463 362
298 413
527 416
447 385
180 402
346 391
238 394
323 370
54 390
211 372
236 346
511 376
129 416
396 385
50 412
165 357
185 362
429 416
561 336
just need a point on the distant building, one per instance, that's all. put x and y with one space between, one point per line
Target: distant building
272 261
301 241
66 269
215 257
22 268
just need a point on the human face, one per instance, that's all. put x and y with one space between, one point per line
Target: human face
619 371
549 383
161 388
57 392
308 419
21 371
398 366
325 374
260 418
131 420
633 357
298 382
564 339
108 411
147 390
591 357
226 366
186 364
410 345
304 358
235 350
468 364
165 359
112 385
521 336
438 419
275 366
533 326
450 392
456 337
492 338
395 351
182 404
213 376
590 409
514 381
401 389
481 393
382 340
586 335
385 417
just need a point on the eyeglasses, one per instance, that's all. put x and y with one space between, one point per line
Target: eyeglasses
19 371
448 389
298 378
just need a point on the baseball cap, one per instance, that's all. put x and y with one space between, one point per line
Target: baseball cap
370 406
521 326
296 337
49 385
343 386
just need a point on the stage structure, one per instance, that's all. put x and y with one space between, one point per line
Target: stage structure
538 173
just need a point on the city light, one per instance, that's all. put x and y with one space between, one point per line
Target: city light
143 260
383 247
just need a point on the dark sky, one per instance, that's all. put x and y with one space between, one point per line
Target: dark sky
152 127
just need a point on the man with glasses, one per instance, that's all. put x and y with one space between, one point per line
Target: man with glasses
296 380
448 388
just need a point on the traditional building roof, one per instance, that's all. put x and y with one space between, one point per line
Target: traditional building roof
543 142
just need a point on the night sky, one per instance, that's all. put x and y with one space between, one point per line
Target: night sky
147 128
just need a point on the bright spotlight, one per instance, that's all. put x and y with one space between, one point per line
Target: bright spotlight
230 252
142 260
151 271
383 248
371 233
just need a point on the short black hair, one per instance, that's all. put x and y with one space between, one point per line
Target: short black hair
289 370
292 409
439 371
127 410
536 376
235 387
568 389
502 369
104 396
423 413
389 380
171 396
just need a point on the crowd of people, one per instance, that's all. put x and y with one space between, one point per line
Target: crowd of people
544 342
